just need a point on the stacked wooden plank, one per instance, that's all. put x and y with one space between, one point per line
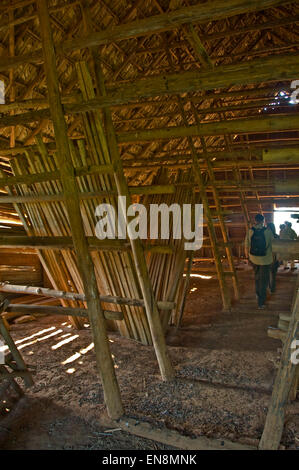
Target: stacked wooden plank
20 266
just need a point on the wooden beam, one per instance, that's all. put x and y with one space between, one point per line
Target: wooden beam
59 243
173 438
53 310
290 247
254 71
235 126
66 243
198 47
16 289
289 155
54 175
291 187
85 264
201 13
220 159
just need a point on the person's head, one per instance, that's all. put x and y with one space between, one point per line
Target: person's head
282 226
271 226
288 224
259 219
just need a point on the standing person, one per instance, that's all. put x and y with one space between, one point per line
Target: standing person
275 264
288 234
258 247
282 228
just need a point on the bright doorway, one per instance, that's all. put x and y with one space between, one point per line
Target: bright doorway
283 214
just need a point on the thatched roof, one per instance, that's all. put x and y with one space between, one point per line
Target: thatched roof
139 50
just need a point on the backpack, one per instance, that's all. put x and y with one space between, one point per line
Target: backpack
258 245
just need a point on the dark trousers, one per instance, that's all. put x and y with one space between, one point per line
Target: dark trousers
262 277
273 272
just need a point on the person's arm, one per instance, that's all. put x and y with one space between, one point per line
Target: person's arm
294 235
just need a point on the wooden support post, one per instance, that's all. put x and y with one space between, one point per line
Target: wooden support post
85 264
186 287
151 308
284 380
244 206
258 199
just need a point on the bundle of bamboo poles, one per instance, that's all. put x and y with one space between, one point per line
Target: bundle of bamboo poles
166 270
115 270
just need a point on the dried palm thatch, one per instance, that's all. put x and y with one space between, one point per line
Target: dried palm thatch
201 88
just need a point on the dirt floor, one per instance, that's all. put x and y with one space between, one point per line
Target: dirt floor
225 366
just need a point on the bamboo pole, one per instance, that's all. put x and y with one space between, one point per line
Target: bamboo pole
22 309
10 288
185 290
97 321
211 229
284 379
137 249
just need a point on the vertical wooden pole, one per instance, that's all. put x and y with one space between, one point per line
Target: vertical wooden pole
258 200
186 287
152 312
284 380
226 301
11 72
242 199
223 228
85 264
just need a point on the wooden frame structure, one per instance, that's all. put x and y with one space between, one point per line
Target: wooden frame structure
195 102
287 380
